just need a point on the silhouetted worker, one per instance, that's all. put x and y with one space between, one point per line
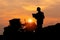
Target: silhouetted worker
39 16
12 29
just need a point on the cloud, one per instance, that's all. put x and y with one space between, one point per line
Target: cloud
53 10
51 21
41 3
10 5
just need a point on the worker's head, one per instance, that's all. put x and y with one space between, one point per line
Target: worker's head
38 8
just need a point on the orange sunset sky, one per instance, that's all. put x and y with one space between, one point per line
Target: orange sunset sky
23 9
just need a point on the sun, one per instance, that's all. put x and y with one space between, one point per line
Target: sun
30 21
